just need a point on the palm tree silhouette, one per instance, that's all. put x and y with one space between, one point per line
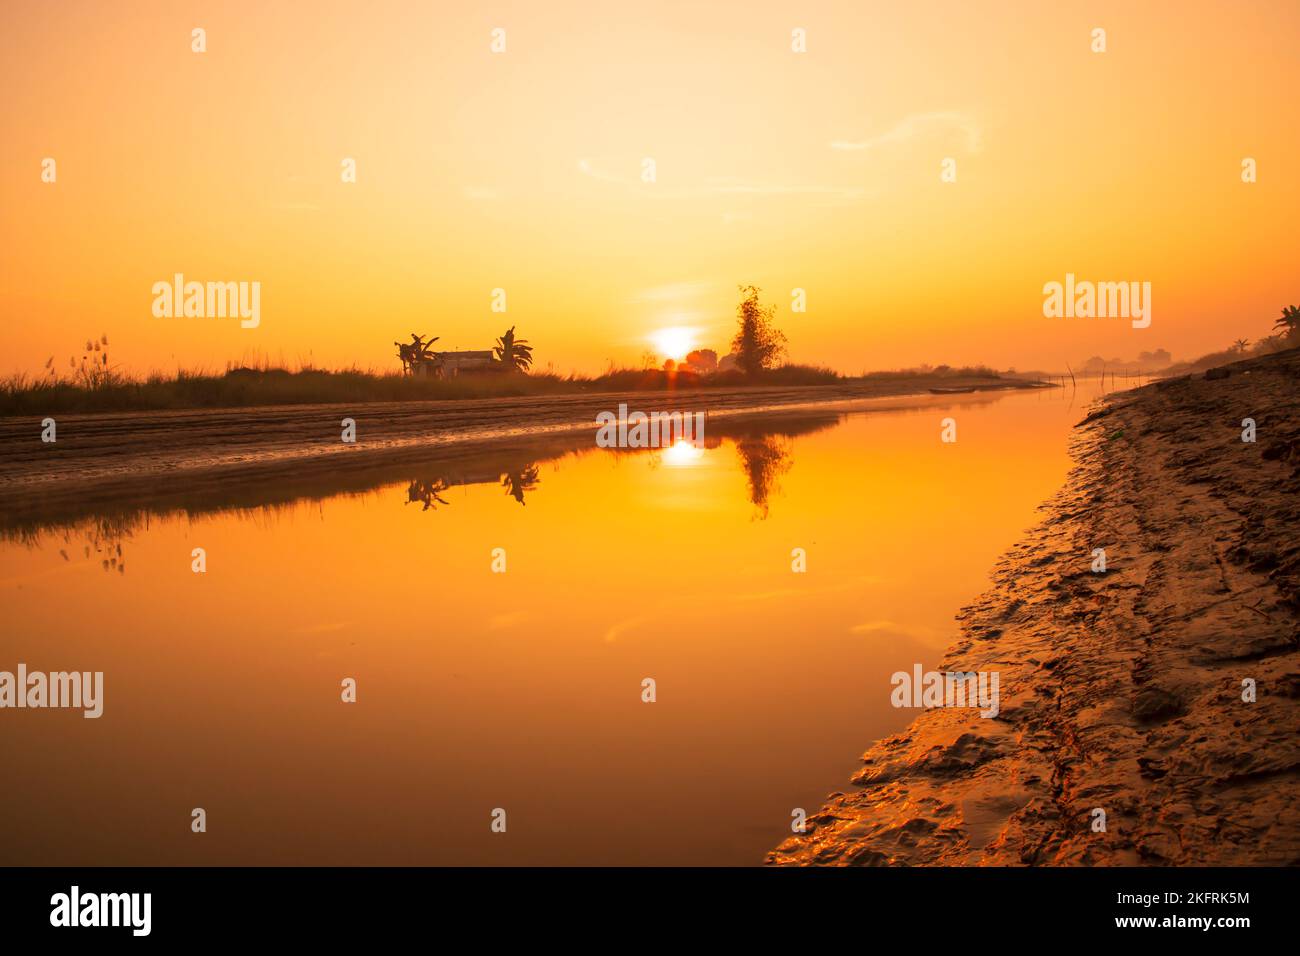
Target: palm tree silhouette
515 354
423 350
415 352
1289 323
404 353
1240 345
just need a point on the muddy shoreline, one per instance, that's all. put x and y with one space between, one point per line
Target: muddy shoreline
1121 691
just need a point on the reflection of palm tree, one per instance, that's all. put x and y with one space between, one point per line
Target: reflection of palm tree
764 458
520 480
515 354
426 492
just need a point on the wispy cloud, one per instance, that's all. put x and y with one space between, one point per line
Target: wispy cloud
918 124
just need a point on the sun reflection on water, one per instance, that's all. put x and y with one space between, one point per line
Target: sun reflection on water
682 454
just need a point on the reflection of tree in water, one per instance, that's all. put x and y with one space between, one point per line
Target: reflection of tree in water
426 493
519 480
765 458
765 448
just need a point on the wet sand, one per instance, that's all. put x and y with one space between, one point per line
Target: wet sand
152 456
1120 691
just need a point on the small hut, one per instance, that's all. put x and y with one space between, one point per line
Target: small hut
452 364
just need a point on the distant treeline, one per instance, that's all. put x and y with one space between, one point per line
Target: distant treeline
23 395
241 386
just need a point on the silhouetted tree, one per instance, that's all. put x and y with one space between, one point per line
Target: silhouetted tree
1289 324
415 352
515 354
404 353
758 343
703 360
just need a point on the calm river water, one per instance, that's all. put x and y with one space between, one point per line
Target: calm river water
521 690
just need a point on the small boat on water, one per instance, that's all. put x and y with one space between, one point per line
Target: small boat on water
951 391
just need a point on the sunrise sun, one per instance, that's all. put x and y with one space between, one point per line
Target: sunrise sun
674 342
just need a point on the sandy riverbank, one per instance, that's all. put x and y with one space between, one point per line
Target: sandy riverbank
1120 691
149 455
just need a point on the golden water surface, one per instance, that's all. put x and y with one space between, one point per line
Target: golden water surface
519 690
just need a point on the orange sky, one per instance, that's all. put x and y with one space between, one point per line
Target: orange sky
522 171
